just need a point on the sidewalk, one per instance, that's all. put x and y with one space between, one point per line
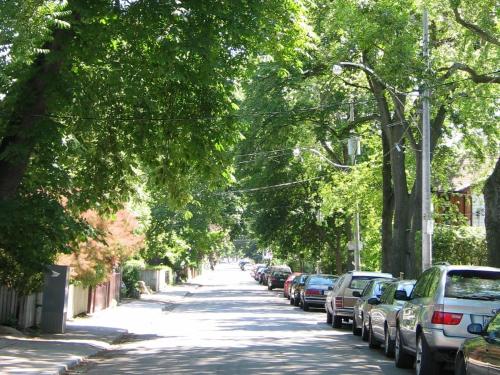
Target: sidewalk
55 353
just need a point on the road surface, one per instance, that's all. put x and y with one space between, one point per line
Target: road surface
232 325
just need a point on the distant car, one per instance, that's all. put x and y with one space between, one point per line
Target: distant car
297 285
288 284
267 274
255 268
382 316
258 273
340 301
481 354
446 299
374 288
277 278
315 290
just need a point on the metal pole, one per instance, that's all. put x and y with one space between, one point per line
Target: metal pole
354 150
427 223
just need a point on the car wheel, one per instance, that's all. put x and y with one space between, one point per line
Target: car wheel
372 341
401 358
328 317
355 330
388 344
460 368
296 301
292 302
424 361
305 306
336 321
364 330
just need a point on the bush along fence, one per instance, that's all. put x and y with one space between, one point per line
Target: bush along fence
25 311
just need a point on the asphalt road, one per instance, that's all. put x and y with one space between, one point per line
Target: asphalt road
232 325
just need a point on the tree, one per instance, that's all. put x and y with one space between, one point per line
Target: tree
99 97
377 44
492 218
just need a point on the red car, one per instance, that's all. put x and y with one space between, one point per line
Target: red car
288 284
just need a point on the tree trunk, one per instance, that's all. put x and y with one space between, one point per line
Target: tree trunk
387 208
30 107
492 219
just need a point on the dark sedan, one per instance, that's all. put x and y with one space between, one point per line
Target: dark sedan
480 355
315 290
277 278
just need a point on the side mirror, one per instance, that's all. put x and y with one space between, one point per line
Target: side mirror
373 301
475 328
330 287
400 295
356 293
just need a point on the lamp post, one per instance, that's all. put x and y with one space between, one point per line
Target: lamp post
354 149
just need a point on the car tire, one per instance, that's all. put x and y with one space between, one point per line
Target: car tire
292 302
388 344
364 330
296 301
424 360
328 317
355 330
305 306
401 358
336 321
372 341
460 368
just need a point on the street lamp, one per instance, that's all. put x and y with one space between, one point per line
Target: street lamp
354 149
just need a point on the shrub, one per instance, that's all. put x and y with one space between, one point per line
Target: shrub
131 274
460 245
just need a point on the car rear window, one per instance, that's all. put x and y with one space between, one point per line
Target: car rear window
316 280
473 284
359 282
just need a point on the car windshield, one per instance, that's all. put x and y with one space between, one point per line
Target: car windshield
473 284
359 282
321 280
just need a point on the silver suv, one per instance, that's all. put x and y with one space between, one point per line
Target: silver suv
340 301
432 324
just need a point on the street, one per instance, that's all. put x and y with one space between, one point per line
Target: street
232 325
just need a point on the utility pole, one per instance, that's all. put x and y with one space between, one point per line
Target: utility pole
427 222
354 149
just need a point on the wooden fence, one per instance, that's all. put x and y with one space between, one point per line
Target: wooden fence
105 295
24 311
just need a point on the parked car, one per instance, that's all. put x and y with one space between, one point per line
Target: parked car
277 277
288 284
268 272
432 324
315 290
258 273
382 316
340 301
481 354
296 288
363 305
255 268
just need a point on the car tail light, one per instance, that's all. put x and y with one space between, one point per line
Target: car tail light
313 292
339 302
447 318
